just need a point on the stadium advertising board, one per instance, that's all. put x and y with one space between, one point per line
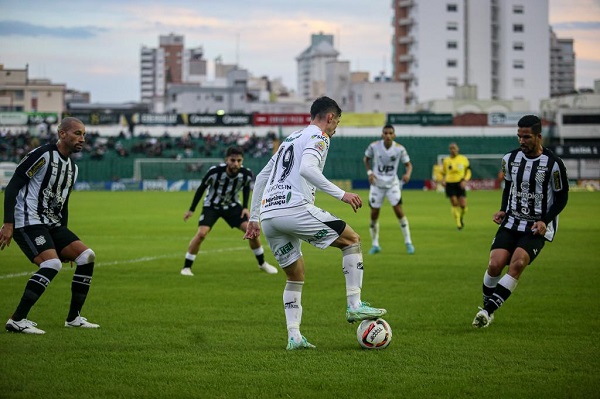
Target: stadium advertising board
159 119
42 117
217 120
361 120
95 118
577 151
427 119
13 118
281 119
504 118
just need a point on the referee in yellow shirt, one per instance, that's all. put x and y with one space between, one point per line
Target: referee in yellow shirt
457 173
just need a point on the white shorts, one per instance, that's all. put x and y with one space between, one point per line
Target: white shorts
378 194
313 225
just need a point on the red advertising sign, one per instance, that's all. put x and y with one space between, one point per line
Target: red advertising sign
280 119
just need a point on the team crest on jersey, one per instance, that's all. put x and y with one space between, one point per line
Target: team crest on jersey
557 181
35 167
540 177
40 240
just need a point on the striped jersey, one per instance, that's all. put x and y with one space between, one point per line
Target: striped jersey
42 183
223 190
533 184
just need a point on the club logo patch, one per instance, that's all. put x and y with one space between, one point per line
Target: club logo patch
39 241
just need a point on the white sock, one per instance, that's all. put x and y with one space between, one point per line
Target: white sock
405 230
508 282
374 230
490 281
258 251
190 256
352 265
292 305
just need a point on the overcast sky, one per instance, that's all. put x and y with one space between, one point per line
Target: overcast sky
95 45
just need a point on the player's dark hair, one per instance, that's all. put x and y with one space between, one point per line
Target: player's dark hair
531 121
234 151
388 126
323 106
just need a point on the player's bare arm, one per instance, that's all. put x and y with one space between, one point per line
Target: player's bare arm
252 230
353 200
6 233
499 217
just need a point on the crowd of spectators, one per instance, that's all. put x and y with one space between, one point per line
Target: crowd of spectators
16 143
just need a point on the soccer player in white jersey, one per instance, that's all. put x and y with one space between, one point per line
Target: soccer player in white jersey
283 201
536 191
381 160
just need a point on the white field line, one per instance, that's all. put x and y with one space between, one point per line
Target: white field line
138 260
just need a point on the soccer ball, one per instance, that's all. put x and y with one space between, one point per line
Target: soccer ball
374 334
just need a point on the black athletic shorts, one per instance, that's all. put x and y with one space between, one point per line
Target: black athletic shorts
455 190
232 215
511 240
37 238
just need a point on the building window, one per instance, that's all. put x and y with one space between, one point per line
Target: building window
218 98
19 95
519 83
518 46
518 64
518 28
452 45
452 82
377 96
451 7
518 9
452 26
451 63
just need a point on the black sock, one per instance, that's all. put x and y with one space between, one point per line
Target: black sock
33 290
500 296
79 289
188 263
487 293
260 258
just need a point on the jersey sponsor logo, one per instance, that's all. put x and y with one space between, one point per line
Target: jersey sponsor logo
557 181
385 169
287 248
319 235
36 167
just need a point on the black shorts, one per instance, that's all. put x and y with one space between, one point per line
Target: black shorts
37 238
455 190
511 240
232 215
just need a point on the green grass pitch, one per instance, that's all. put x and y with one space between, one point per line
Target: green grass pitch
221 333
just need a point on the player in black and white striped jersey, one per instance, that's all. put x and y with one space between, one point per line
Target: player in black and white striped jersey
224 182
535 192
36 214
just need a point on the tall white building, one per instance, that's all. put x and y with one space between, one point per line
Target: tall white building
312 66
502 47
170 63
